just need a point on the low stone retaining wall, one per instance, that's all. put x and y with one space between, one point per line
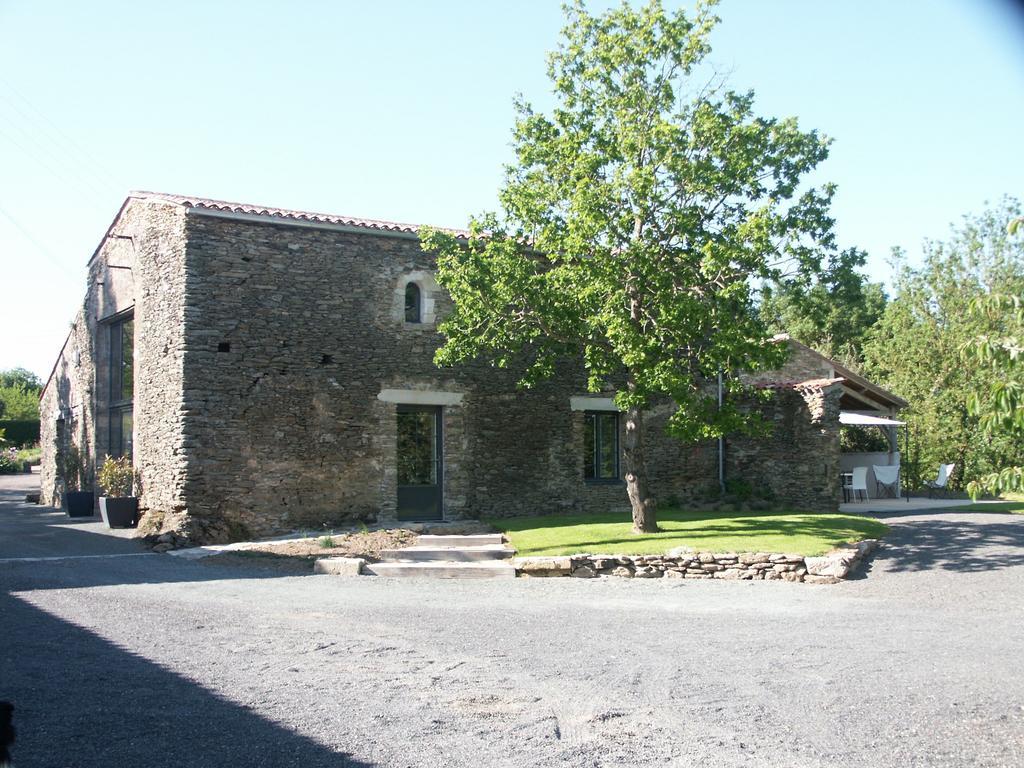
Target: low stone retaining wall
686 564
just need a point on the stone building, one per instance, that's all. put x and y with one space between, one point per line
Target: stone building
270 369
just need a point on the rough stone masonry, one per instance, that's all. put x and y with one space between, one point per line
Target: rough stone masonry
272 352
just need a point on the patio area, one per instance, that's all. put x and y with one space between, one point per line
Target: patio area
914 504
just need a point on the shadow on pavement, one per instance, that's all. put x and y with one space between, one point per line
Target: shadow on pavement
145 568
46 532
81 700
42 548
953 545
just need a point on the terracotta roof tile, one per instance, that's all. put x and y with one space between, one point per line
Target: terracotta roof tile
808 384
285 213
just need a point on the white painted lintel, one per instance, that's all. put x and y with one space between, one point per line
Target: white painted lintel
593 404
420 397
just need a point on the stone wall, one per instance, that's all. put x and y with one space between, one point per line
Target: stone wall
829 568
797 463
66 416
137 268
262 350
803 364
291 335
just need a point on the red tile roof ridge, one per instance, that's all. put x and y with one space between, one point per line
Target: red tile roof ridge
806 384
225 206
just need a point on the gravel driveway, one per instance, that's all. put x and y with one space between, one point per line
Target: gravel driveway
152 660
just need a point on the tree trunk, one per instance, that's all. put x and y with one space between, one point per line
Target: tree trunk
644 517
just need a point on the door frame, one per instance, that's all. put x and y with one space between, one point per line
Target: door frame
438 412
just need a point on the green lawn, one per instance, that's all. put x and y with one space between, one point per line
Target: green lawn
805 534
1016 507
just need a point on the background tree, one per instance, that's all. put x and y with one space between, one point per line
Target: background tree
638 215
916 348
1002 412
19 395
833 313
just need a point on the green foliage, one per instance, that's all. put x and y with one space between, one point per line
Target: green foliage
19 395
116 476
833 313
739 489
805 534
21 377
74 467
916 349
9 463
20 432
636 217
1002 411
31 455
18 403
327 542
862 440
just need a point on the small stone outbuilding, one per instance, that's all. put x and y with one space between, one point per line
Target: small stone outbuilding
269 369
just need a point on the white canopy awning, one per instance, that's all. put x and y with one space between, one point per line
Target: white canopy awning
863 420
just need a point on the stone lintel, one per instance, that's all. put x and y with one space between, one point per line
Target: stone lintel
420 397
593 404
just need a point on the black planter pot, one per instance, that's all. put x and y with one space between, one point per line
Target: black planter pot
79 503
119 511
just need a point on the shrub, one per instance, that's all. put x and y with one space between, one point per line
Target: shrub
30 455
862 440
116 477
326 542
21 432
739 489
73 468
9 463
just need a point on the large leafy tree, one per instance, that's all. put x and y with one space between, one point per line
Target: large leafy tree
940 308
1000 410
20 377
832 314
19 394
637 217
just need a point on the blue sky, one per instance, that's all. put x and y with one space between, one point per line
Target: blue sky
402 111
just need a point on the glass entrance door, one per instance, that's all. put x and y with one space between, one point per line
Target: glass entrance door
420 466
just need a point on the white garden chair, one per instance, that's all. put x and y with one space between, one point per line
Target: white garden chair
942 480
858 482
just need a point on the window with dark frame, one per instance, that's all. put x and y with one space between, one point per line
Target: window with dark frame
122 386
413 300
601 446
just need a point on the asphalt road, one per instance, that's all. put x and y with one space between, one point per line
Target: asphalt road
151 660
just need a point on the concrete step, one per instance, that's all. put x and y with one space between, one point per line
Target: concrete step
435 553
475 540
489 569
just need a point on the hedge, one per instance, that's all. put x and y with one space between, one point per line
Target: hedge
20 431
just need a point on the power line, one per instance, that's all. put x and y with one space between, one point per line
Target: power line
61 176
77 152
42 248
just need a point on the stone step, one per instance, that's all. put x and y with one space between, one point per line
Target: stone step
474 540
435 553
489 569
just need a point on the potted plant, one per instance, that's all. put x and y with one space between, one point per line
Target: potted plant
119 508
79 502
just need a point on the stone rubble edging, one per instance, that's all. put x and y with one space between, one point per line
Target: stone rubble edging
830 568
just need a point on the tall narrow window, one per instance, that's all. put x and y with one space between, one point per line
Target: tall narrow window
601 445
122 386
413 300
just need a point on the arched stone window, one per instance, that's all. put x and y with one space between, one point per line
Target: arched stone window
413 303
